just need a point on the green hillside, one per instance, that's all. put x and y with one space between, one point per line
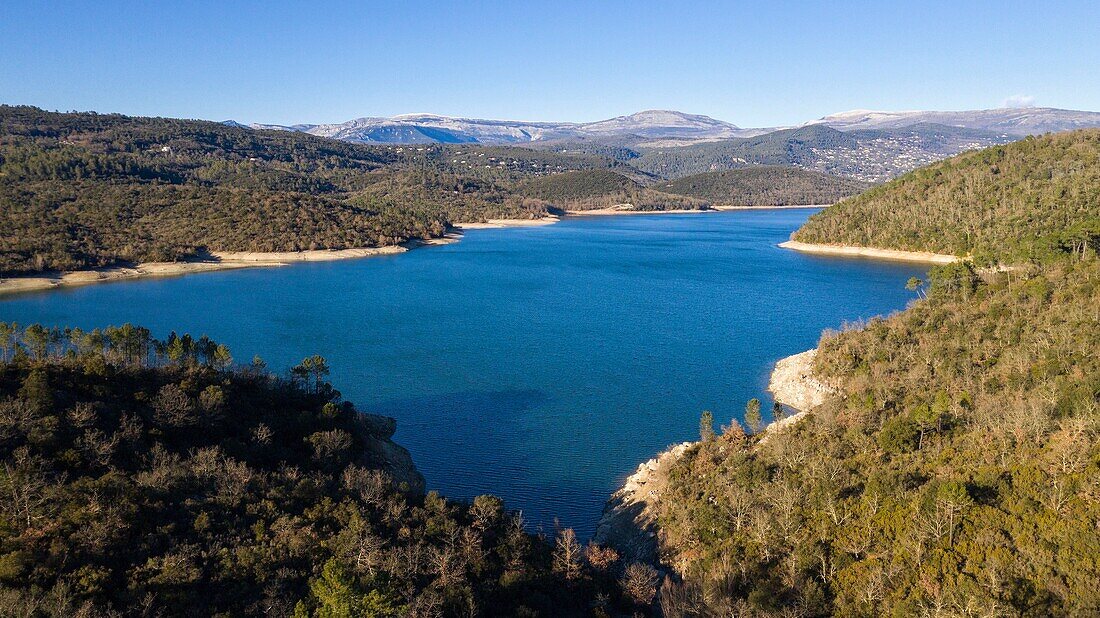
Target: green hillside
577 185
602 188
1022 201
766 185
784 147
955 469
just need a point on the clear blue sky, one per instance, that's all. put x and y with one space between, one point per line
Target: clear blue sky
754 64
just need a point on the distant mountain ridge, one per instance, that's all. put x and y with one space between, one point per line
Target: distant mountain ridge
433 128
1016 121
672 128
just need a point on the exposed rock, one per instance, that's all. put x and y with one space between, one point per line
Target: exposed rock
382 452
382 426
629 521
793 382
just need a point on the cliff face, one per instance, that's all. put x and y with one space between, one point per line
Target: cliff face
382 452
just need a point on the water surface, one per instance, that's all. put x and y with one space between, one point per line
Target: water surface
539 364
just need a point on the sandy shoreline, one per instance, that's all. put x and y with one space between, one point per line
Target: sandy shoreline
501 223
216 261
869 252
246 259
626 209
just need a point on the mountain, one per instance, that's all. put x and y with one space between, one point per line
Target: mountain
662 124
869 146
660 128
1011 121
431 128
866 155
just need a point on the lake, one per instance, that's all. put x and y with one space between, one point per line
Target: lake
539 364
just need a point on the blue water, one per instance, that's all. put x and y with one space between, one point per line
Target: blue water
539 364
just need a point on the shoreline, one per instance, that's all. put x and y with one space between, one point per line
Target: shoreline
629 519
230 260
622 210
492 224
629 522
870 252
220 260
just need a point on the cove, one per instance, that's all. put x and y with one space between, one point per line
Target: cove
538 364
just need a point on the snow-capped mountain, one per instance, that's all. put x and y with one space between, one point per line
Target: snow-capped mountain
659 123
431 128
1012 121
665 128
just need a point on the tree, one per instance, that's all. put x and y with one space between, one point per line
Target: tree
337 594
37 338
706 426
639 583
7 339
311 373
173 408
567 555
36 391
222 359
752 416
778 411
915 284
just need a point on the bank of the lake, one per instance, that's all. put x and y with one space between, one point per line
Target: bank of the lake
212 262
629 522
870 252
224 260
540 363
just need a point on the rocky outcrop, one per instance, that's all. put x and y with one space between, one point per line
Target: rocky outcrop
629 521
383 453
793 383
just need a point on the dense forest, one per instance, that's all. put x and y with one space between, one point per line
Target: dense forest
955 471
145 477
764 185
1022 201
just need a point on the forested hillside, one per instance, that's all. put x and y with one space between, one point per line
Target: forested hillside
145 477
865 155
956 469
1022 201
602 188
87 190
766 185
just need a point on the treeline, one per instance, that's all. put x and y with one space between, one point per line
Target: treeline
156 477
767 185
1026 201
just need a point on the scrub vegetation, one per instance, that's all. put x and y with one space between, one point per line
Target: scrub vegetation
956 471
